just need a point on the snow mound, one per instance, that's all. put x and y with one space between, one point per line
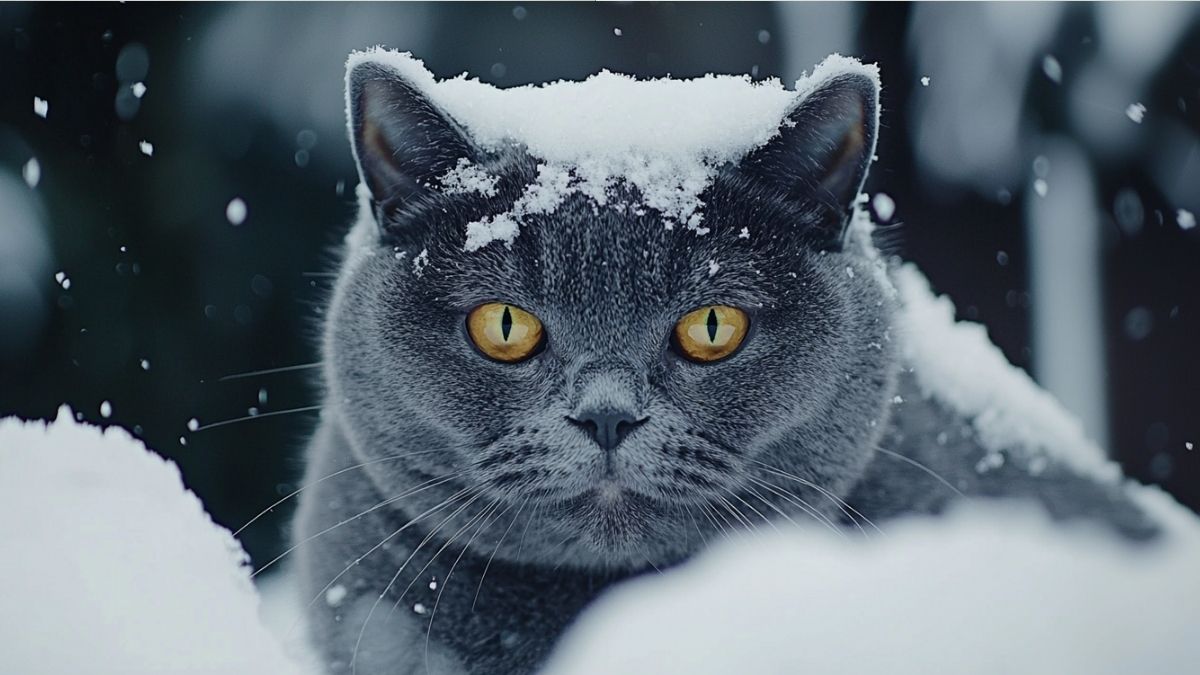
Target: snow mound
986 590
664 136
957 364
111 566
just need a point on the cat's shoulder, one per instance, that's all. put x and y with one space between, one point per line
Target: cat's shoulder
933 456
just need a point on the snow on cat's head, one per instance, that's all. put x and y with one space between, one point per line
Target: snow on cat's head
665 137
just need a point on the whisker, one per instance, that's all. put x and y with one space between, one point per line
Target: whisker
488 565
756 511
433 482
273 413
521 547
297 491
444 546
362 631
711 514
771 504
446 502
736 513
931 472
446 581
271 371
692 516
800 503
650 562
842 504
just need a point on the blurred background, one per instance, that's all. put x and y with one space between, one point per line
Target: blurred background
173 179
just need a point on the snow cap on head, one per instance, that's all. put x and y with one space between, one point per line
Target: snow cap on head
666 137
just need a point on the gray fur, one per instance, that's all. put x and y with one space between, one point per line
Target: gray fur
808 396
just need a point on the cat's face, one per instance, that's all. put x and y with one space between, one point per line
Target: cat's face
604 443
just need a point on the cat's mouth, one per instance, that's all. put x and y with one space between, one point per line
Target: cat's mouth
612 516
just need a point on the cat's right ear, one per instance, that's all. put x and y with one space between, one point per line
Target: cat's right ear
402 140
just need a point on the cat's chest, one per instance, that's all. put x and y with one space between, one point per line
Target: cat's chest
369 572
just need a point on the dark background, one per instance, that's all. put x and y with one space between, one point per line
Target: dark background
244 101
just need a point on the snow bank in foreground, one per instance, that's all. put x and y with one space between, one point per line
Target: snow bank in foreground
664 136
110 566
985 590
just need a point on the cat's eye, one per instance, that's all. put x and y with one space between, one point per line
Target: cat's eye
504 332
710 333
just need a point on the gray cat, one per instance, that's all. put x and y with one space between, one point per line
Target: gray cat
532 423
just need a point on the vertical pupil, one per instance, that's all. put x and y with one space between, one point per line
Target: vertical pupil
506 323
712 325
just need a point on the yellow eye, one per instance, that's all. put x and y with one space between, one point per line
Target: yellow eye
504 332
711 333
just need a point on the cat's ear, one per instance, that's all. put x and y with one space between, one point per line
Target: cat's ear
825 146
402 140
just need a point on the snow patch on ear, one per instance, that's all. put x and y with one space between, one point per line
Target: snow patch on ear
111 565
666 137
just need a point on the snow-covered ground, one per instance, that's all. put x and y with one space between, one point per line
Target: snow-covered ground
996 590
109 565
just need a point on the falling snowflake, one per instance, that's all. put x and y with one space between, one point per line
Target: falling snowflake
1041 187
335 595
885 206
235 211
139 89
1052 68
146 147
106 410
41 107
713 267
1135 112
925 81
1186 219
32 172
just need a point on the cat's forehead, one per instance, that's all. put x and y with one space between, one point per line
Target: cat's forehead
602 261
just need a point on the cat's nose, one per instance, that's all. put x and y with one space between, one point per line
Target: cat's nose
608 427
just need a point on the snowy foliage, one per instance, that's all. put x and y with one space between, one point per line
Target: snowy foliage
111 566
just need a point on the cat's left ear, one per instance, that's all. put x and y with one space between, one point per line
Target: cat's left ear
824 148
402 140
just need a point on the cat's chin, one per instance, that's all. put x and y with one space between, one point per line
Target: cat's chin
618 524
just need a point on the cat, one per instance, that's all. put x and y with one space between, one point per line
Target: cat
499 480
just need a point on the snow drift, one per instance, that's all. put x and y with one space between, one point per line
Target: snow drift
995 590
110 565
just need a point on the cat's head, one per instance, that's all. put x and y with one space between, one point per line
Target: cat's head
551 376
